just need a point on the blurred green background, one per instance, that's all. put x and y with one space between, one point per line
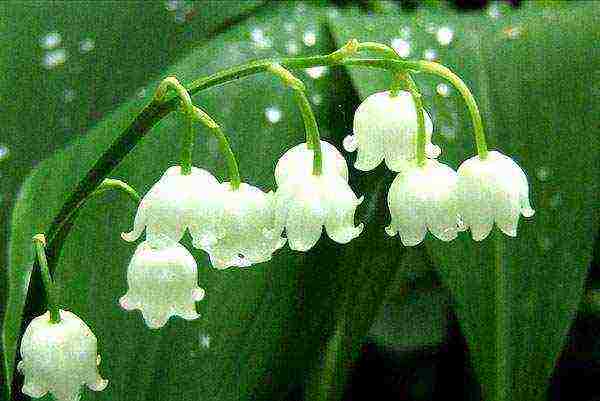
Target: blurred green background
420 319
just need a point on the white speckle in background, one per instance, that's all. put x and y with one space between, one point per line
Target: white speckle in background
350 143
141 93
292 48
309 38
300 8
259 39
494 10
316 72
543 173
172 5
273 114
430 54
430 28
405 32
86 45
205 341
289 27
442 89
333 12
317 99
401 46
3 151
68 95
444 35
54 58
51 40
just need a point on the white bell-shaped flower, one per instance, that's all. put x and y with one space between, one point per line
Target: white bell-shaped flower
247 233
59 358
424 198
163 282
492 189
385 127
306 203
175 203
299 161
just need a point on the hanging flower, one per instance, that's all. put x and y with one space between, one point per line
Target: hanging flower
246 234
299 161
305 204
175 203
59 358
162 283
385 127
492 189
423 198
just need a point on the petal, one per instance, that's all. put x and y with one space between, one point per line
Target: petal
99 384
139 224
371 120
33 390
342 203
439 184
407 208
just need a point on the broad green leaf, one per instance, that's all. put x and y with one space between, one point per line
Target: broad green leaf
532 72
261 328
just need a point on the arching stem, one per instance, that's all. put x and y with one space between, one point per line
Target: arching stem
39 242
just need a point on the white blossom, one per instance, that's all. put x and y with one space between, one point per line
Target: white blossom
385 127
424 198
59 358
299 161
246 234
305 204
162 283
494 189
175 203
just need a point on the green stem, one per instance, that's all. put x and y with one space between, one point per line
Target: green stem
186 102
313 139
502 319
39 242
224 147
417 99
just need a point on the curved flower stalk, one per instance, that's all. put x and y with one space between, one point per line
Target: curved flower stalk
162 283
424 198
493 189
59 358
304 204
298 161
175 203
246 234
385 127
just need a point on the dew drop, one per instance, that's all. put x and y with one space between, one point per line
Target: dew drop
494 11
3 152
86 45
442 89
309 38
292 48
259 39
273 114
205 340
317 99
430 54
69 95
444 35
316 72
51 40
401 46
350 143
543 173
54 58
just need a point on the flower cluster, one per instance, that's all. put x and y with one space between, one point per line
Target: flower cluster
432 196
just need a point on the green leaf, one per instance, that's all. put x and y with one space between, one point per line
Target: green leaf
261 328
532 74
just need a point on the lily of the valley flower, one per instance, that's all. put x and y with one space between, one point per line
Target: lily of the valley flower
299 161
162 283
424 198
385 127
492 189
175 203
305 203
59 358
246 234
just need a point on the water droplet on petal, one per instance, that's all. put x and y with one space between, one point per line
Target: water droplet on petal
309 38
54 58
442 89
543 173
401 46
350 143
273 114
86 45
51 40
444 35
430 54
316 72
